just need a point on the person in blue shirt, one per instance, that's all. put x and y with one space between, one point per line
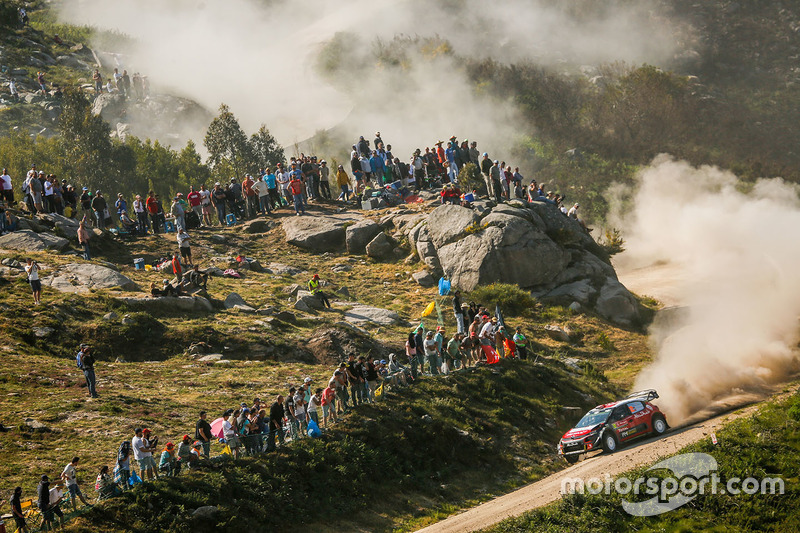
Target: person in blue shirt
272 187
378 168
452 167
121 204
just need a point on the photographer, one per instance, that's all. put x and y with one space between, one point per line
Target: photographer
85 360
32 270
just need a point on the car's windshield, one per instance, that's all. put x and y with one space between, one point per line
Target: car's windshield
594 417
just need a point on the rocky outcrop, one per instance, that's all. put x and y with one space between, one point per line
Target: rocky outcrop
179 304
381 247
316 233
83 277
360 234
363 314
532 245
28 241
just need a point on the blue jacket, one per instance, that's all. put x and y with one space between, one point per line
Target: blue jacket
377 164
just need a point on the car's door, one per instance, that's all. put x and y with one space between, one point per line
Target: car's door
618 421
638 421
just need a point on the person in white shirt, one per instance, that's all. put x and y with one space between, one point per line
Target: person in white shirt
70 476
32 270
284 179
12 86
260 186
143 453
229 433
205 203
8 189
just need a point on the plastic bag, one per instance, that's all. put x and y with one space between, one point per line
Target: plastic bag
313 430
430 309
444 287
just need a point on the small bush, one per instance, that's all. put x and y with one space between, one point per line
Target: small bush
605 343
513 301
470 178
613 243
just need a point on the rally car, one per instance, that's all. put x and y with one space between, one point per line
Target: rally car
610 425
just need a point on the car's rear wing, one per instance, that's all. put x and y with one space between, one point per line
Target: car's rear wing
646 395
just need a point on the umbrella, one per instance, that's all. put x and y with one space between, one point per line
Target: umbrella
216 428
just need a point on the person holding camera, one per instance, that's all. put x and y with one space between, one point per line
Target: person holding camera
32 270
85 361
143 448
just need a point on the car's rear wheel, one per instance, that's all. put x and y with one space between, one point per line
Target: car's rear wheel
571 459
609 442
659 425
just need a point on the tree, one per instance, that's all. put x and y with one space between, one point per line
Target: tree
87 146
191 170
265 149
227 145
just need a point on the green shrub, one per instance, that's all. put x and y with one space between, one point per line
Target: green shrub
9 14
512 300
470 178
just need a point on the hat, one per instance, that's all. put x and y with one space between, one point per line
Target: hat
84 346
169 446
439 142
307 380
97 192
185 437
145 430
464 306
41 172
137 430
197 444
323 162
217 184
86 188
496 162
246 410
233 179
494 319
315 276
228 412
383 361
375 362
485 154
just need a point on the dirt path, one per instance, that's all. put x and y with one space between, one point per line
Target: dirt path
548 489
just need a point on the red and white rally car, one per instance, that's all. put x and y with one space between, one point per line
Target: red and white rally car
610 425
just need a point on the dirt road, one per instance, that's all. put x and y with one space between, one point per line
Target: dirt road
548 489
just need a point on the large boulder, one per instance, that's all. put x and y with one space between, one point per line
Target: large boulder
511 249
449 222
580 291
29 241
362 314
81 277
426 249
380 247
67 226
309 300
360 234
181 304
315 233
232 300
258 225
617 304
565 230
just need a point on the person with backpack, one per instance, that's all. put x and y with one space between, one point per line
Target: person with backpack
85 360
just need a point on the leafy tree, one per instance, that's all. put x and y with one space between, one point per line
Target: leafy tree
191 170
86 144
228 148
265 149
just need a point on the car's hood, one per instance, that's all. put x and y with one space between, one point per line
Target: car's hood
576 433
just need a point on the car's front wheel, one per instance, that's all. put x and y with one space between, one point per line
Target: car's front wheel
659 425
609 442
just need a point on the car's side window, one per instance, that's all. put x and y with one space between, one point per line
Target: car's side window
619 413
635 407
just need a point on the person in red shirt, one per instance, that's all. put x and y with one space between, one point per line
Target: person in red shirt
176 267
296 188
152 210
440 152
195 198
329 405
250 197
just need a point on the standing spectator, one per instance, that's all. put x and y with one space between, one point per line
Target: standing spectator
262 193
195 200
36 190
344 184
16 510
152 211
99 207
250 196
324 177
275 423
411 353
177 269
300 412
98 81
70 476
497 186
205 203
296 188
121 204
521 341
440 359
43 493
202 432
271 179
85 360
288 412
314 403
229 433
7 188
83 239
86 205
431 353
41 82
143 453
140 208
12 88
178 212
370 374
219 198
184 246
32 270
458 312
122 471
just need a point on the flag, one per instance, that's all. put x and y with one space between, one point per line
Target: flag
491 354
428 310
379 391
499 314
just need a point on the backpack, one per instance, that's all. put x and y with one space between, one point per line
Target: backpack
79 360
124 450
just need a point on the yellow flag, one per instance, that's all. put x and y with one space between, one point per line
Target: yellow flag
379 391
430 309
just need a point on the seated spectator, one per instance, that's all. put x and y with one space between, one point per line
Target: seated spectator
105 486
167 289
185 452
127 223
169 461
197 278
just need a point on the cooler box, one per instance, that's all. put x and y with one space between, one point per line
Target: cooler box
139 263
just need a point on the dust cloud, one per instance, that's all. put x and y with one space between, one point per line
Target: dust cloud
260 57
737 248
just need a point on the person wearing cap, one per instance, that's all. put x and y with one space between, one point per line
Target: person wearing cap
121 204
43 502
495 175
296 188
499 340
169 463
250 197
487 331
179 213
355 379
100 209
184 246
140 209
573 211
324 180
315 289
185 455
431 353
206 206
261 190
440 349
453 351
143 453
85 360
328 400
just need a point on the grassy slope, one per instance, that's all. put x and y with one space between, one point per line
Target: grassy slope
166 389
765 444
